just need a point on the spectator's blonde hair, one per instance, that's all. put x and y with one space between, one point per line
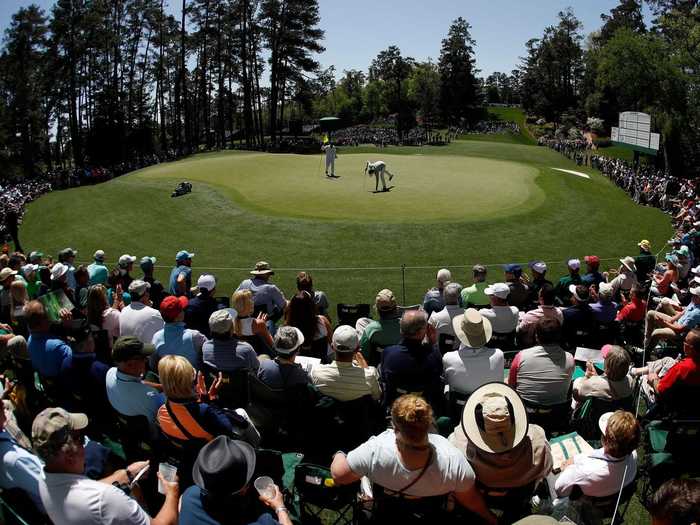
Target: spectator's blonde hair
242 302
622 434
176 376
617 363
412 417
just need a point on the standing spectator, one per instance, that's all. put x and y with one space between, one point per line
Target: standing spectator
473 296
562 287
385 331
645 262
305 282
7 277
542 374
519 291
121 276
301 313
538 270
47 352
442 320
29 271
156 292
592 277
175 338
266 296
503 318
100 315
224 351
139 319
202 305
67 256
676 502
473 364
546 309
413 365
434 300
18 299
98 272
181 276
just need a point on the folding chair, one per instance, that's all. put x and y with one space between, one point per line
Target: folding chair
596 511
584 419
553 419
350 313
514 503
447 343
503 341
455 405
317 494
234 388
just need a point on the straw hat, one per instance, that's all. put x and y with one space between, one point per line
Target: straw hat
472 329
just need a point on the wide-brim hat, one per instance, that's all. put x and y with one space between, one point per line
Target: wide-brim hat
472 328
6 273
628 262
262 268
224 466
473 424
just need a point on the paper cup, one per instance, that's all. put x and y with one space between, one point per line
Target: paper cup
168 472
265 486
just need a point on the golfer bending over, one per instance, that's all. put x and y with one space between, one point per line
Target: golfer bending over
378 169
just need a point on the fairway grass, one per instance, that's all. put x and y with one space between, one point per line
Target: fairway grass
453 206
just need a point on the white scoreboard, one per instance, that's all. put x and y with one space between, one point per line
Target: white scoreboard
635 131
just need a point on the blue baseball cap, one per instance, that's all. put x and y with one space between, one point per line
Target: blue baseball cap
183 255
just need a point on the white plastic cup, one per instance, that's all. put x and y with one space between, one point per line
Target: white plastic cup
168 472
265 487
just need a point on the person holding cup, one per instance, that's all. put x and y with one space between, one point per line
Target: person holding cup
222 477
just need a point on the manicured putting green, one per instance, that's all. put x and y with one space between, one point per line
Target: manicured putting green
425 188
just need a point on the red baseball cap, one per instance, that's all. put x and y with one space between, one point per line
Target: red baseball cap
592 259
172 306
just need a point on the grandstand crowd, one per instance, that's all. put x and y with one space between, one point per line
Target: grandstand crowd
455 409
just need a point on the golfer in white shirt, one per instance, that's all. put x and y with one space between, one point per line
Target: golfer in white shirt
378 169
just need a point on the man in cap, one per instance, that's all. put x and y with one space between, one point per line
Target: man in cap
645 262
126 391
180 281
442 320
331 154
47 352
222 475
30 276
562 287
604 309
545 309
98 272
69 497
433 301
415 363
626 278
503 318
538 269
7 277
202 305
579 318
224 351
504 450
348 377
473 296
121 275
592 275
473 364
384 331
542 374
157 292
67 257
36 258
175 338
139 319
267 297
282 372
519 291
672 324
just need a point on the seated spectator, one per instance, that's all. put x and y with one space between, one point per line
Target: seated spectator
663 325
281 372
97 271
626 278
473 364
605 470
127 392
246 326
348 377
592 277
139 319
301 314
174 338
201 306
538 269
100 315
413 365
503 318
615 384
19 467
222 475
578 318
410 462
267 297
473 296
634 310
180 282
305 282
224 351
184 408
433 301
502 448
70 497
542 374
157 291
661 283
645 262
47 352
545 310
383 332
519 291
604 309
442 320
562 287
676 502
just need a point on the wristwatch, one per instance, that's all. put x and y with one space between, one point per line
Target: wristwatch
281 509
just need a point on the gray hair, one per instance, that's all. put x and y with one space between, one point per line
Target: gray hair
452 293
412 322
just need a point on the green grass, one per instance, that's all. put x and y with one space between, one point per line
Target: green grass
237 215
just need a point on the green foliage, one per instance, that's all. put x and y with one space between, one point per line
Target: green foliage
457 67
424 92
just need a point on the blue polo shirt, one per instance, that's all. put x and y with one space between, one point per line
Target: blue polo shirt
176 339
98 272
691 317
412 366
47 353
173 279
130 397
192 511
20 469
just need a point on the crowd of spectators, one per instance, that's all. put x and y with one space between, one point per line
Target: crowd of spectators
493 127
475 382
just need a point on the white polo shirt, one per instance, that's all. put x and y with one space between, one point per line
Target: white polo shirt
597 474
504 319
467 369
140 321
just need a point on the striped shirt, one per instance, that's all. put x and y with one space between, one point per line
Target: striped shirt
345 381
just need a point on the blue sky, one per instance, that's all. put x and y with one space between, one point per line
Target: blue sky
356 30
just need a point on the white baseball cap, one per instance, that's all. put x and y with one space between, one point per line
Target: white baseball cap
221 321
99 255
539 266
345 339
126 260
695 291
206 281
574 264
500 290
